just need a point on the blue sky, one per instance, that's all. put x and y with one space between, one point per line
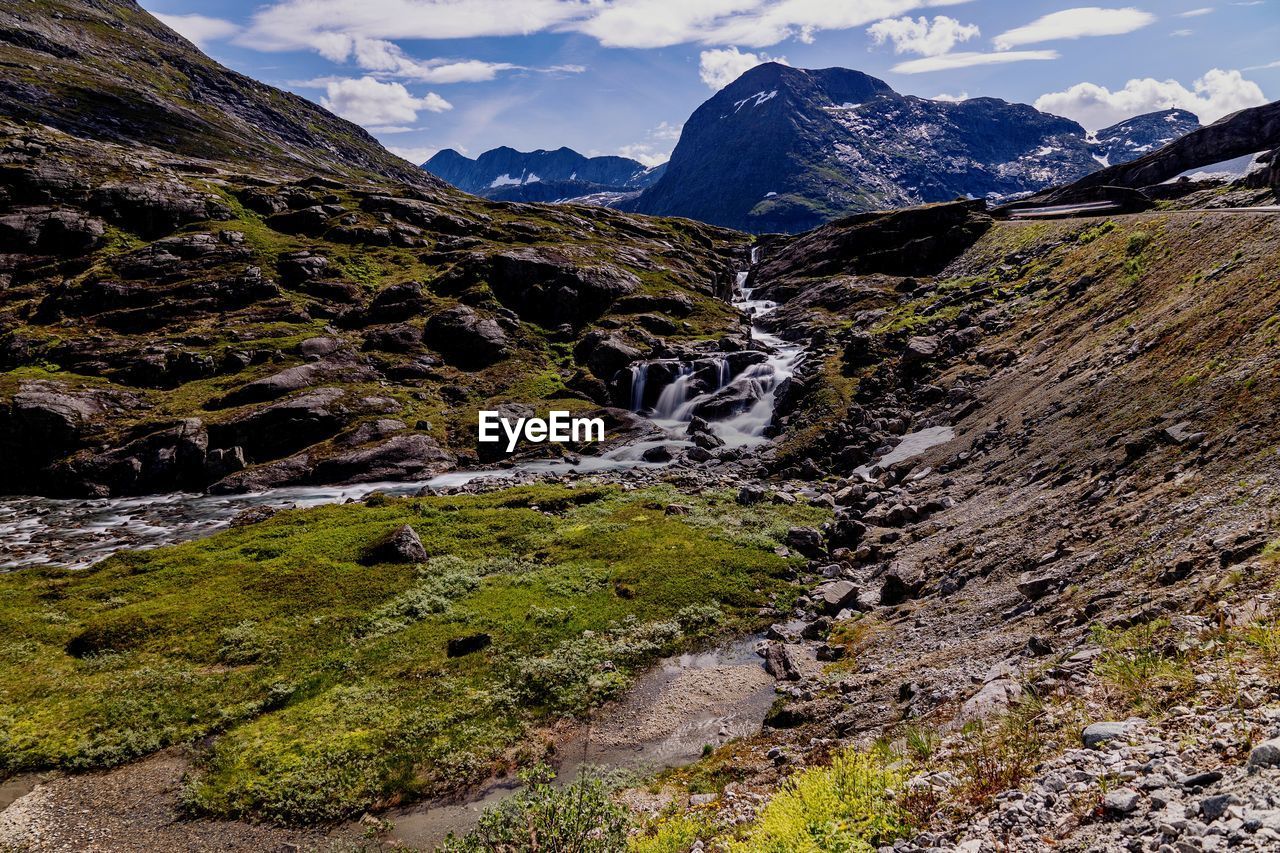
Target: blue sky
620 76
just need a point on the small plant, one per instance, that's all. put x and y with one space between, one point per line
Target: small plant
541 818
922 742
996 758
850 807
1141 669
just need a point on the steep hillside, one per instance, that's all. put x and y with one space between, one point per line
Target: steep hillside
207 281
785 149
108 70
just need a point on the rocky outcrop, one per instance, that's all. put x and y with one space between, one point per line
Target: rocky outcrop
1248 131
466 338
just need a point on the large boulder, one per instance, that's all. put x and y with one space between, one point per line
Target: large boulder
166 460
552 289
466 338
402 457
293 379
286 426
401 545
50 231
604 354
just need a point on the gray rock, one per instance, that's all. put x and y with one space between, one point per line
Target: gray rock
992 700
920 349
401 545
779 663
1216 806
1266 754
1099 733
834 597
1120 801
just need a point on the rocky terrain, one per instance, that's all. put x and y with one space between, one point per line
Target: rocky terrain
1008 560
786 149
562 175
318 311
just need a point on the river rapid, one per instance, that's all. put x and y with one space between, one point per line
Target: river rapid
37 531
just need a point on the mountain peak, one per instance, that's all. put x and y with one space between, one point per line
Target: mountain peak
786 149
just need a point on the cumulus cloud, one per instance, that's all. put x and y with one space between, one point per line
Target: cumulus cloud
968 59
656 147
1076 23
198 29
1216 94
369 102
417 155
719 68
324 24
922 36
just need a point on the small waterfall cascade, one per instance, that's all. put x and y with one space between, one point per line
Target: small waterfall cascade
751 393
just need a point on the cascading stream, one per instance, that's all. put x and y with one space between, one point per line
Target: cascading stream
78 533
674 407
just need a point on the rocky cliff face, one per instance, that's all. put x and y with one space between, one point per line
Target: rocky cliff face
1251 131
786 149
205 281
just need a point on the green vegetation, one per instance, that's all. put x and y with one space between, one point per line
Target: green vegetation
327 682
581 818
1143 667
849 806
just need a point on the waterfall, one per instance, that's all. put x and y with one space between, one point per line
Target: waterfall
639 375
674 396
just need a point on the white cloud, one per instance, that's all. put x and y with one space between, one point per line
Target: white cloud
198 29
328 25
656 149
645 154
417 155
922 36
367 101
1182 33
1195 13
719 68
1216 94
953 99
1074 24
951 61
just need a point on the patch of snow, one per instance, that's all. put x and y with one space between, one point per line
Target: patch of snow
758 97
531 178
1104 162
769 195
504 180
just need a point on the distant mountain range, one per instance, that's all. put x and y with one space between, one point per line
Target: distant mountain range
786 149
506 174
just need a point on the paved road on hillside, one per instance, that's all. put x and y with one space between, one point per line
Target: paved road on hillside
1098 208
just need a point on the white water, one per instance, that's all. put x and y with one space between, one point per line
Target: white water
78 533
675 407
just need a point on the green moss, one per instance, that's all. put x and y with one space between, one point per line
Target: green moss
328 681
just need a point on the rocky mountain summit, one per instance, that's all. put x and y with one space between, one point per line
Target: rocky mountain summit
786 149
562 175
